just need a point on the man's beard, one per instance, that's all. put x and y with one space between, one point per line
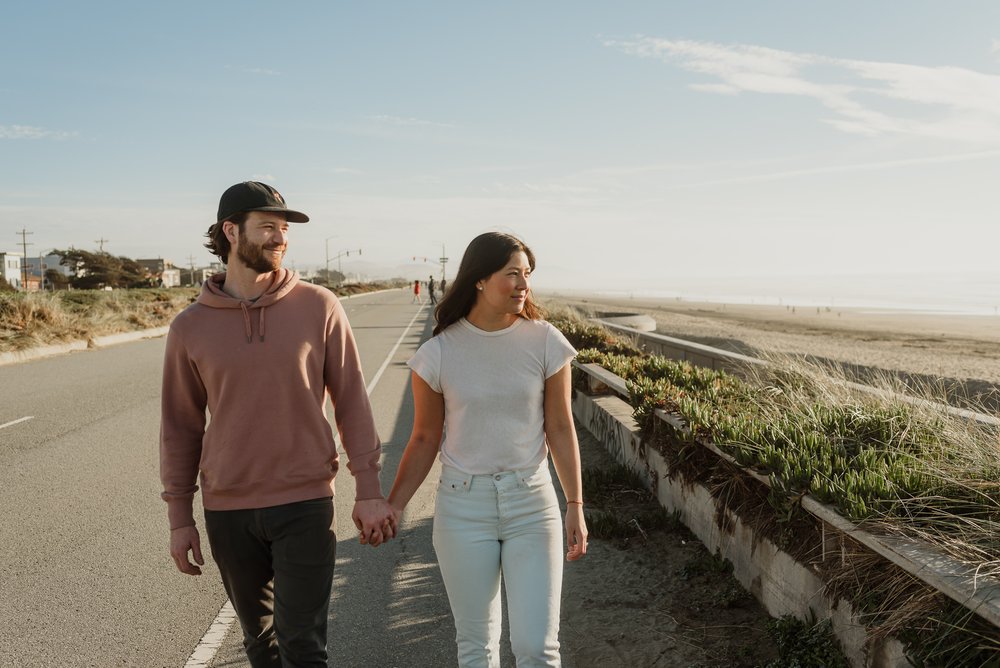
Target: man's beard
254 257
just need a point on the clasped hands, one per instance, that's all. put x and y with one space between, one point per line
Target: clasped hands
376 520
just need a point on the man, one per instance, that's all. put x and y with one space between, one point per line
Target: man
430 289
262 351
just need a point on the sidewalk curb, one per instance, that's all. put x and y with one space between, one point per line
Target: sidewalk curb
18 356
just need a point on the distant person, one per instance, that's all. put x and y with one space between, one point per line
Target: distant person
262 350
444 284
430 290
496 511
416 293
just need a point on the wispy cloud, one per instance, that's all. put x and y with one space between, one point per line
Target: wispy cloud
966 102
32 132
538 189
400 121
847 168
259 71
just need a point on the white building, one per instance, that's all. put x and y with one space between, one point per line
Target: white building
10 268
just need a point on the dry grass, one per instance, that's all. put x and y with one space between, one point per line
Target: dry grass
37 319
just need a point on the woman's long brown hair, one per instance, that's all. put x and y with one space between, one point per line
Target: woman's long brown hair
486 254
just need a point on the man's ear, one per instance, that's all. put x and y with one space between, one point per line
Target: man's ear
231 230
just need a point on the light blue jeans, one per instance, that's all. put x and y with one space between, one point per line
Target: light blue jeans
505 524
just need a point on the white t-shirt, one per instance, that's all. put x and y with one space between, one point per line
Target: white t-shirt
494 387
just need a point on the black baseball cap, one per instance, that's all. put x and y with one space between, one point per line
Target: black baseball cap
255 196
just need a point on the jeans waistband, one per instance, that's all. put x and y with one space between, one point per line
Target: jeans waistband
520 473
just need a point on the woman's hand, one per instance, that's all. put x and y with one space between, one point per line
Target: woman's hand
576 532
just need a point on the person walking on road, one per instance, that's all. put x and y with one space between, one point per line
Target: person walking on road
416 293
430 290
494 381
261 350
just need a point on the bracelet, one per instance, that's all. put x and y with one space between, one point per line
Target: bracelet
569 502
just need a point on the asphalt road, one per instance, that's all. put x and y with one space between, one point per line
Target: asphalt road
85 577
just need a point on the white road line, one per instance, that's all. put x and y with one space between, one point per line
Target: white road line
29 417
212 640
381 369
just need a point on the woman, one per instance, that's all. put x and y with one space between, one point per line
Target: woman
495 380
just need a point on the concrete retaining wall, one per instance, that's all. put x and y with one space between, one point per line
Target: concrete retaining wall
782 585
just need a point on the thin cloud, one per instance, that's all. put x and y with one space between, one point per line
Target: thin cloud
539 189
259 71
839 169
966 102
400 121
32 132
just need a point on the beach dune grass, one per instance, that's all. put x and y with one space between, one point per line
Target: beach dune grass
34 319
888 464
28 320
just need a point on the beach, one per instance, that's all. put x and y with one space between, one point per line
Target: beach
959 354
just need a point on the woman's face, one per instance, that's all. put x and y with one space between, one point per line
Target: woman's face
505 291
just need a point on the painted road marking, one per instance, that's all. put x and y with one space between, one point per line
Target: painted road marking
212 640
17 421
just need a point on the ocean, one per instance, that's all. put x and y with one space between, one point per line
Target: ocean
949 294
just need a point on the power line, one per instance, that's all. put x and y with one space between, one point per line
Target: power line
24 260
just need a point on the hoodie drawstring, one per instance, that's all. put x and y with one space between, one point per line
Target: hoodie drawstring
249 327
246 322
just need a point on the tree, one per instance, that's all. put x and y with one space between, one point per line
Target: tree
329 277
57 279
101 270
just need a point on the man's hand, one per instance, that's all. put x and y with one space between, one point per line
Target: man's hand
183 539
376 520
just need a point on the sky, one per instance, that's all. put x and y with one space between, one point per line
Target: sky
658 146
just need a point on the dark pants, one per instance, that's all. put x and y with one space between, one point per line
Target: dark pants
277 567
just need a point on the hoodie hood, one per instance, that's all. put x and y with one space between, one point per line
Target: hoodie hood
213 296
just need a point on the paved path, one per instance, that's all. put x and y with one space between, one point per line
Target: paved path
85 578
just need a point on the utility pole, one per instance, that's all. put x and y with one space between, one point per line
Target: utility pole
101 241
443 260
327 265
191 261
24 259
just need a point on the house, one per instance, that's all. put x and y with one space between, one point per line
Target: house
38 266
162 272
11 268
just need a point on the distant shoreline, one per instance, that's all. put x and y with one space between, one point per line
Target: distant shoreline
957 351
888 305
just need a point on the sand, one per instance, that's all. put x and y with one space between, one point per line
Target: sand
959 352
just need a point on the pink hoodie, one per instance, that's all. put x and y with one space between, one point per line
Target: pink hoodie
264 380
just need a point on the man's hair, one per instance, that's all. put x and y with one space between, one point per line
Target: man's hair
217 242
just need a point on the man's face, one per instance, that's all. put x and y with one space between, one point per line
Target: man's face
263 242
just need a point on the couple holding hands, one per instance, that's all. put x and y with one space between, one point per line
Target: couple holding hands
261 351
